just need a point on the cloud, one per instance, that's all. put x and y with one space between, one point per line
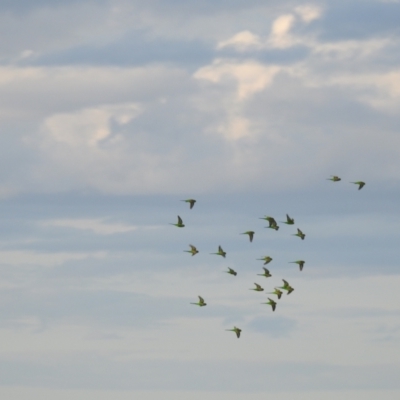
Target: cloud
242 41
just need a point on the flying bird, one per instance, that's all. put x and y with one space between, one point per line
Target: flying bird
277 292
236 330
267 259
231 271
192 250
250 233
271 221
191 202
289 221
286 287
180 223
334 178
220 252
258 288
299 262
201 302
360 184
272 303
300 234
266 273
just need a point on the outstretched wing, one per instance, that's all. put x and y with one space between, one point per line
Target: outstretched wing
179 220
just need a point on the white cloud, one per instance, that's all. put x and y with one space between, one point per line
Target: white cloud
242 41
280 33
308 12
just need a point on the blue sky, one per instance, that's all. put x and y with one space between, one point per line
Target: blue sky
114 111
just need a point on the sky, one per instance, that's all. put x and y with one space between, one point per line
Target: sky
112 112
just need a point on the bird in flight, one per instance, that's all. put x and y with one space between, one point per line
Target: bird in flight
192 250
360 184
300 234
272 222
299 262
334 178
231 271
250 233
266 273
201 302
190 201
236 330
286 287
272 303
277 292
258 288
180 223
289 221
266 259
220 252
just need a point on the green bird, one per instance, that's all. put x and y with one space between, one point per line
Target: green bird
334 178
250 233
271 220
231 271
286 287
272 303
300 234
192 250
360 184
266 259
220 252
299 262
289 221
180 223
236 330
258 288
190 201
266 273
277 292
201 302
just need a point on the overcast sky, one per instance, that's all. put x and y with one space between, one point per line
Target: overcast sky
112 112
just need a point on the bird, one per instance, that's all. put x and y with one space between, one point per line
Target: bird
277 292
286 287
250 233
267 259
271 221
266 273
201 302
299 262
236 330
192 250
334 178
180 223
360 184
289 221
231 271
220 252
272 303
191 202
258 288
300 234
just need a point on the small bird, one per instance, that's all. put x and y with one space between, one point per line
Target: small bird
360 184
300 234
277 292
267 259
201 302
334 178
272 303
286 287
271 221
236 330
289 221
266 273
299 262
250 233
180 223
220 252
258 288
192 250
191 202
231 271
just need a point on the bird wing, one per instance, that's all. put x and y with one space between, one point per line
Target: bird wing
192 247
179 220
201 300
238 332
285 283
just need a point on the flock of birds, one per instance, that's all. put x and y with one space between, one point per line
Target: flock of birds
267 259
